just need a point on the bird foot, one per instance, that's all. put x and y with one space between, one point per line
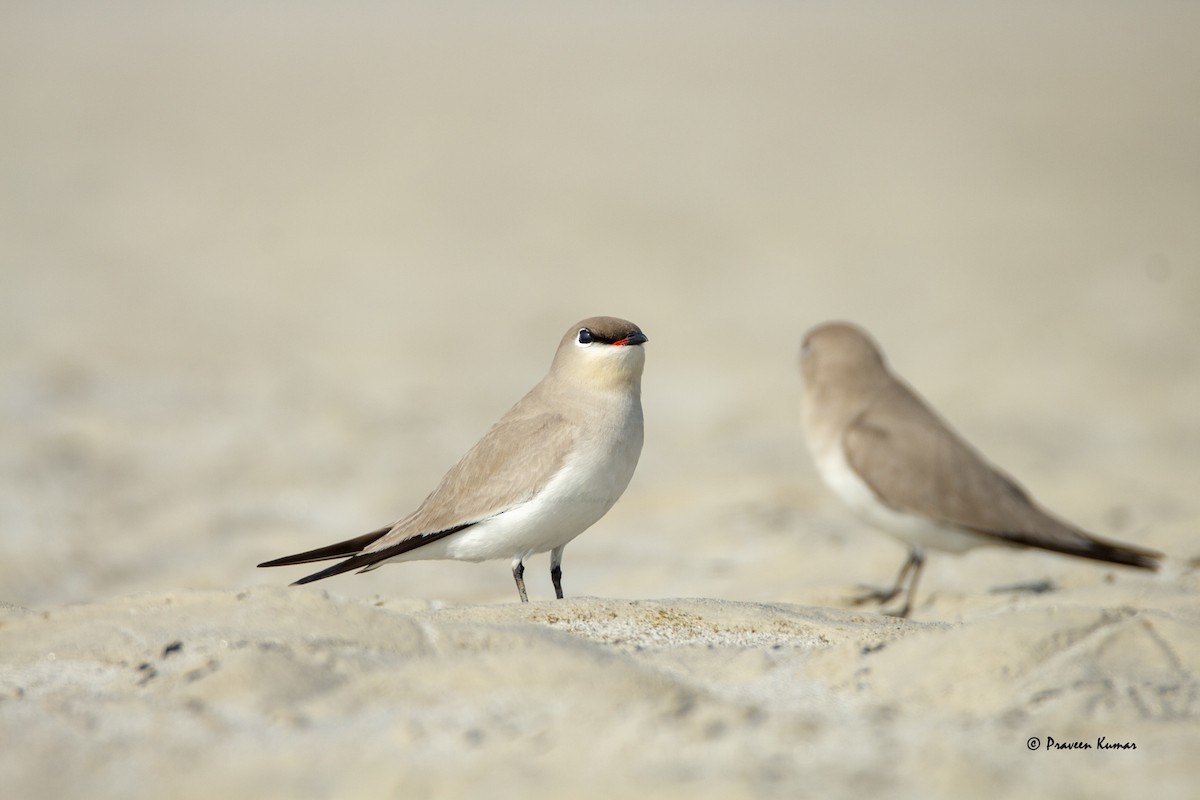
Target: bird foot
873 594
899 613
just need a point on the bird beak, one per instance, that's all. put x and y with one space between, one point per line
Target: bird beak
631 339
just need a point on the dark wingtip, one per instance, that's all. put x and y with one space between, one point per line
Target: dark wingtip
1151 561
335 569
362 561
1093 547
1128 556
349 547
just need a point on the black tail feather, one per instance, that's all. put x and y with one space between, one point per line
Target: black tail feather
347 548
1123 554
1094 548
365 560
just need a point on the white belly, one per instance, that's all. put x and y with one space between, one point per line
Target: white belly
912 529
579 495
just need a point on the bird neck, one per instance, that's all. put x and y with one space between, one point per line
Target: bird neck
831 405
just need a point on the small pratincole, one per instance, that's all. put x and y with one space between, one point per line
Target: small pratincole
898 465
550 468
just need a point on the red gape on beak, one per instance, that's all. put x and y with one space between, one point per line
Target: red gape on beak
631 339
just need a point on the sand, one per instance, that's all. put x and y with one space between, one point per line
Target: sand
266 272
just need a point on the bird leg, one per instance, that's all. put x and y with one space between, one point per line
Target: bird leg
917 559
872 595
519 577
556 570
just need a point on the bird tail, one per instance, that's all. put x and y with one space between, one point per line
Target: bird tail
1119 553
349 547
1074 542
357 558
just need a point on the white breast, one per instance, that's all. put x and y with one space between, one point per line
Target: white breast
590 482
912 529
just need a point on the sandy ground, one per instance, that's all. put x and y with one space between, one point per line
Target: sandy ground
266 273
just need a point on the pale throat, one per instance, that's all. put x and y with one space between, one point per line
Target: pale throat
615 373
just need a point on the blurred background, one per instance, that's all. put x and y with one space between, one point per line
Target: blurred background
268 269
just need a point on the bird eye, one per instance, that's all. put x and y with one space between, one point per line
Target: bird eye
584 336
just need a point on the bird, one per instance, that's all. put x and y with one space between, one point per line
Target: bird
552 466
892 460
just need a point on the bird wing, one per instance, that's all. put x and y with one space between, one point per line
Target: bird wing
493 477
339 550
914 461
508 466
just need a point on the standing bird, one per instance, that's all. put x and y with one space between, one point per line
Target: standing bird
552 466
898 465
